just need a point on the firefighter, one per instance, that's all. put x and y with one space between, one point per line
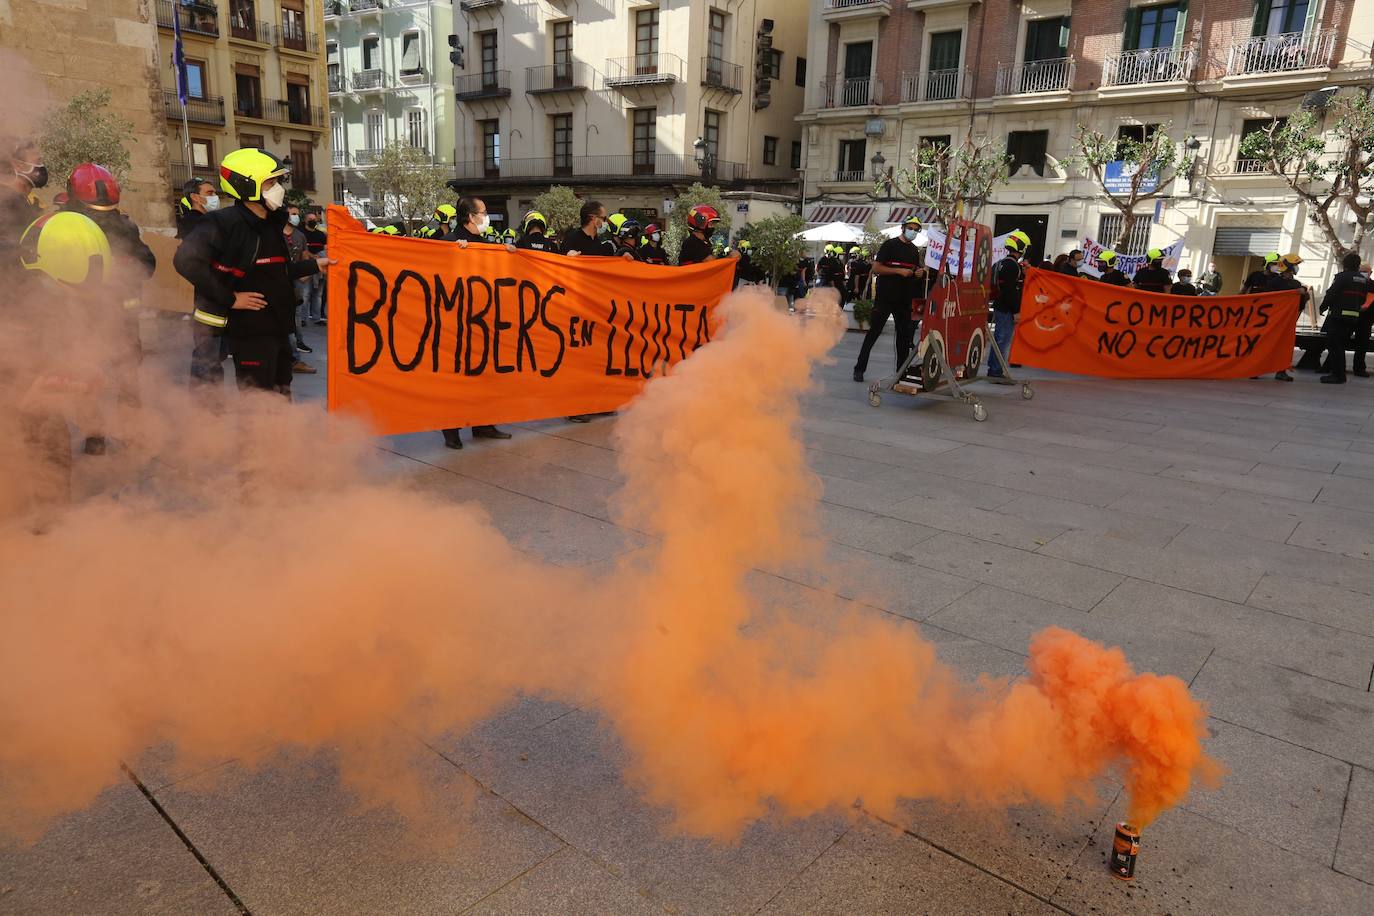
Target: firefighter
21 173
830 270
1285 279
1344 305
899 271
651 248
626 232
384 230
237 261
510 236
1153 278
859 272
198 197
746 271
702 222
1184 286
1073 262
1009 277
1263 280
536 233
440 224
1106 262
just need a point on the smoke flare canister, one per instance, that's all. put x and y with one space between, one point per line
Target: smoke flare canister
1125 848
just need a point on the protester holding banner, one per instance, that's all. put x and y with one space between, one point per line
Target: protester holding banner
1106 263
1184 286
1344 305
702 221
898 269
1008 280
1263 279
587 240
534 236
651 249
1071 263
1153 277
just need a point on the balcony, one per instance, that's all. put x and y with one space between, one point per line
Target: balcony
850 93
1034 76
1282 53
243 28
294 38
842 10
334 8
490 84
1149 65
196 18
284 111
717 73
843 175
415 77
566 77
337 83
198 111
365 157
469 6
365 6
626 169
247 107
644 70
373 80
181 173
339 159
935 86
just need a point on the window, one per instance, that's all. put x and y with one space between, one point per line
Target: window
253 140
853 160
1280 17
770 150
302 165
1254 126
936 140
772 65
247 94
1047 39
1027 147
645 142
491 147
562 54
243 20
1137 133
562 144
801 72
944 76
410 54
858 67
202 153
337 138
1151 27
298 103
293 25
334 68
372 53
1109 227
375 130
487 42
416 136
715 36
711 134
646 41
796 154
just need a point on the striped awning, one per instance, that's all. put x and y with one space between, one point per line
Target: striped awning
900 213
858 214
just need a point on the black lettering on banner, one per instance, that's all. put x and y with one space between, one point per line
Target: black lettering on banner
477 319
448 301
667 336
498 326
1120 343
1216 317
523 341
1110 306
656 335
588 329
1195 316
572 331
644 339
403 364
1174 346
610 341
684 308
1135 314
1149 346
1237 315
557 332
367 319
703 331
1180 310
630 371
1159 315
1264 315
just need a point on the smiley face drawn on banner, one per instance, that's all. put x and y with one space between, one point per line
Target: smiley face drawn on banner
1053 324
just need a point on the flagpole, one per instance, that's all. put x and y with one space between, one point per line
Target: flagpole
179 68
186 139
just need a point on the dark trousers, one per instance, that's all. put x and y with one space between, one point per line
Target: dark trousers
901 316
1339 330
208 352
263 363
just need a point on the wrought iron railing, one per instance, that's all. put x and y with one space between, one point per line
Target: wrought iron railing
199 18
718 73
644 69
1283 52
488 84
935 85
339 159
208 110
1054 75
1149 65
850 92
363 80
562 77
248 29
296 38
658 166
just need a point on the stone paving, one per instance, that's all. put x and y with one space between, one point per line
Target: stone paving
1218 531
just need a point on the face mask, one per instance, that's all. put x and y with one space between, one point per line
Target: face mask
295 219
1274 268
909 234
311 224
274 196
655 237
1185 278
483 223
453 223
36 175
212 203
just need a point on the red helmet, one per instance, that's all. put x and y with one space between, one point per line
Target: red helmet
651 229
94 186
702 218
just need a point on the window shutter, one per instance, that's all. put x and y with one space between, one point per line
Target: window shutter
1181 25
1130 32
1261 25
1064 37
410 54
1311 20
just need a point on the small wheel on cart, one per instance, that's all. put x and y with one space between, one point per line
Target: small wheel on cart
980 413
874 398
1027 392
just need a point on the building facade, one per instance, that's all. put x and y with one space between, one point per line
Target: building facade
897 73
390 80
629 102
255 77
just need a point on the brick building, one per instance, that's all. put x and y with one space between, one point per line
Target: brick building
900 72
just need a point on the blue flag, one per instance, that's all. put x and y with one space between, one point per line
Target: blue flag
179 55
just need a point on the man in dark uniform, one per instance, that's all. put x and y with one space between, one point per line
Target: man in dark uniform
831 270
1287 278
534 235
1363 329
1106 262
1262 280
587 239
1153 278
21 173
1345 305
1006 306
198 198
898 267
440 224
651 248
1184 286
746 271
1071 264
860 269
702 221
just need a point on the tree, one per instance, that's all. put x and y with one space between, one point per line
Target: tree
776 247
85 130
954 182
295 197
561 207
408 184
1152 163
1297 151
698 194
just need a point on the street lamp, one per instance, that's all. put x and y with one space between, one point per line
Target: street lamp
699 152
879 161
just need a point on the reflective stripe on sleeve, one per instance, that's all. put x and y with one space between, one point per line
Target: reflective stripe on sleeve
210 318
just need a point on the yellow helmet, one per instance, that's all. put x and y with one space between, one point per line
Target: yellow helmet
1107 256
243 172
445 212
745 245
1013 243
67 246
1021 237
532 218
1271 257
1290 261
616 221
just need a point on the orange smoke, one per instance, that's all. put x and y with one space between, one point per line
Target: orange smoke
165 610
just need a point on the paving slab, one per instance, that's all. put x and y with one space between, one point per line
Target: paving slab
1355 852
894 583
1074 584
867 531
1111 523
567 883
1232 579
1326 604
118 857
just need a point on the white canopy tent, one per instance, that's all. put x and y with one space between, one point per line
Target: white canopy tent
833 232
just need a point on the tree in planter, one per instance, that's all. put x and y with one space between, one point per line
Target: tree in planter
1154 162
776 247
696 195
953 182
561 207
85 130
1324 167
407 182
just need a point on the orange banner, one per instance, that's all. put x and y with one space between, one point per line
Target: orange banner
426 335
1073 324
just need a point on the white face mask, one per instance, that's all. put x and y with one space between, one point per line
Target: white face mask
295 219
1275 268
274 196
910 234
655 237
453 223
483 223
212 203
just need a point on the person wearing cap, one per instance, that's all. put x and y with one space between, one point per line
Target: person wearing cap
1285 279
1153 278
898 269
1008 278
1184 286
859 272
1345 305
1262 280
535 233
1106 263
625 235
442 223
